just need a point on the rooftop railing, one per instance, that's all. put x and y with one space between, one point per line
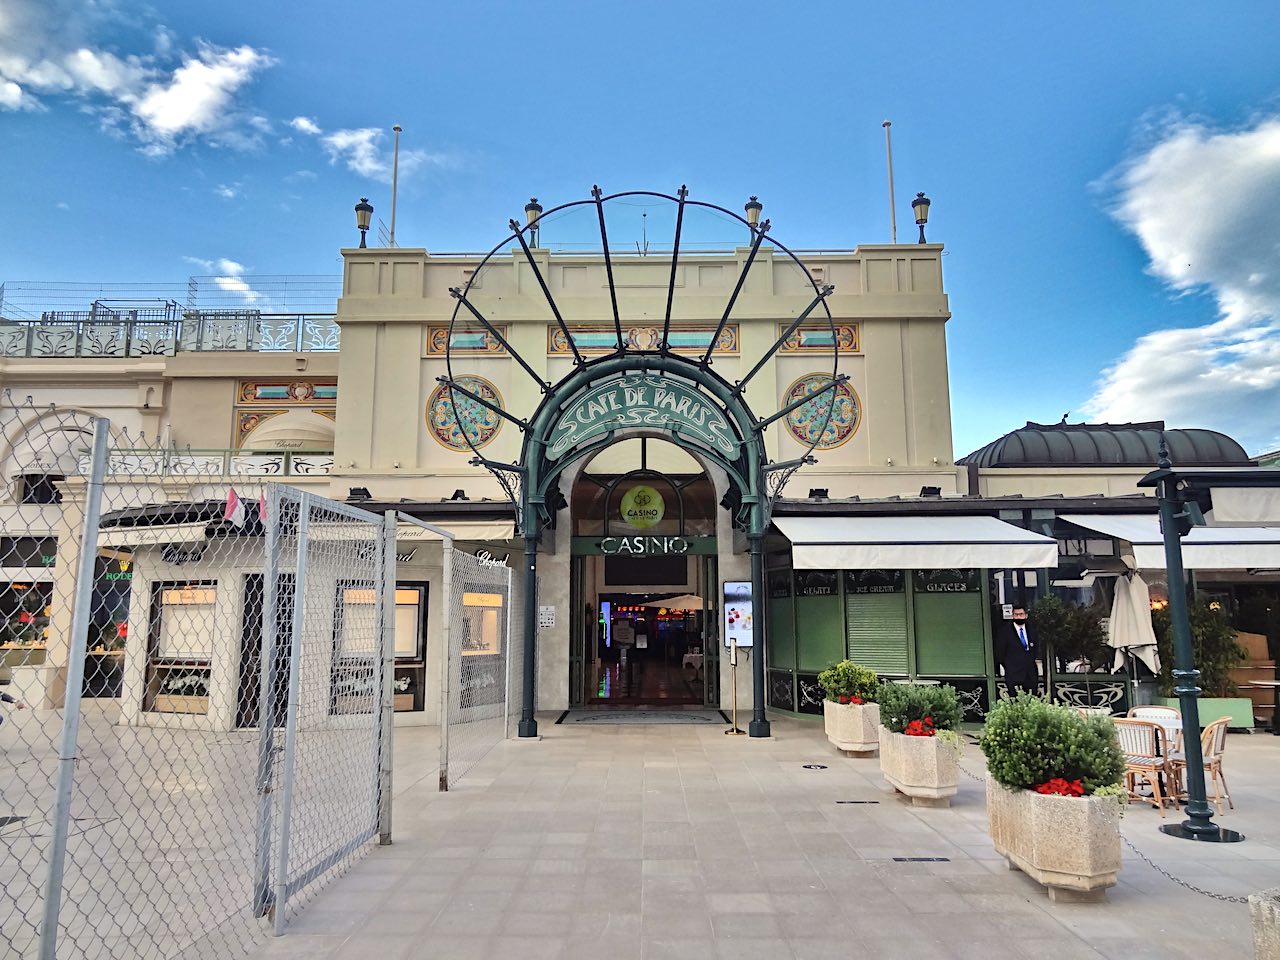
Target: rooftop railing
148 333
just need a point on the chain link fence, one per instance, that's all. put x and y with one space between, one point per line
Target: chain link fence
480 685
194 683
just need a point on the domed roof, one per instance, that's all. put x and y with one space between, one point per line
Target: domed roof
1107 445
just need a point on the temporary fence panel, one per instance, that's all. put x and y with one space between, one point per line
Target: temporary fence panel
179 667
473 714
337 667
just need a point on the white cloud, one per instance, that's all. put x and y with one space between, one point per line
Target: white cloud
227 191
236 285
205 265
12 96
1202 204
48 49
305 125
362 151
195 98
230 267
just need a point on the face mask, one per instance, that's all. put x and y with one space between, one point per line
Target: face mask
1019 619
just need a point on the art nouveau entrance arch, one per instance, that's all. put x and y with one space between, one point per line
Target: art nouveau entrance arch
651 381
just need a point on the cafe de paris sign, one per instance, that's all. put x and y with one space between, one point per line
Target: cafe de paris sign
642 401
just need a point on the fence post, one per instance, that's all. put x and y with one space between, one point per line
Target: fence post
446 667
81 613
267 700
387 621
506 693
291 722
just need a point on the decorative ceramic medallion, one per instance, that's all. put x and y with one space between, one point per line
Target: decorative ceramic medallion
480 422
806 421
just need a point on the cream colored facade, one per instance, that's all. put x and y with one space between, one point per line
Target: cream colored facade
889 305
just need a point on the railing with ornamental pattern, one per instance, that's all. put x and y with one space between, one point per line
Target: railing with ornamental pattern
64 334
145 462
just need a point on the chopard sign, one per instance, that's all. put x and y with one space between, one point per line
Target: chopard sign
487 559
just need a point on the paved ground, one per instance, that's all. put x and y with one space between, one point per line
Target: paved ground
675 841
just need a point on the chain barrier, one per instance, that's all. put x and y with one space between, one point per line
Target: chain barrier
1182 883
1225 898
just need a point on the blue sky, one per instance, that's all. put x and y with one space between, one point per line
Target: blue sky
1105 176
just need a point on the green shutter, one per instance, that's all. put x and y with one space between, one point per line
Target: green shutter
877 631
820 630
780 630
950 640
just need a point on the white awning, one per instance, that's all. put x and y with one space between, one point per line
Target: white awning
910 543
152 535
1204 548
461 529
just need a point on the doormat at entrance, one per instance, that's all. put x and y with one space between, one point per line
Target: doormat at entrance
646 716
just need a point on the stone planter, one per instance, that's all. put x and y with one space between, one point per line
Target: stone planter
922 768
1069 844
853 728
1264 912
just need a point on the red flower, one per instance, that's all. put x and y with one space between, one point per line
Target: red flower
857 700
843 698
1061 787
122 629
24 617
918 728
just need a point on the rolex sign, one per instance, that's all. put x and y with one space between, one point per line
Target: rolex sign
642 507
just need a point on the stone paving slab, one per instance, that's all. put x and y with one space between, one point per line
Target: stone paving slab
664 842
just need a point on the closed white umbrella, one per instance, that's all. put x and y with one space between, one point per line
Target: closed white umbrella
686 601
1130 629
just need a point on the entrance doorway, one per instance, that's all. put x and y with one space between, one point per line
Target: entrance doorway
646 653
643 631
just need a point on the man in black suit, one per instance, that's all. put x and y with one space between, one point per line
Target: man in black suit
1015 652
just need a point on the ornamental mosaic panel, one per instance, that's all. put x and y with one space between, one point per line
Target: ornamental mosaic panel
288 392
603 338
481 424
469 340
806 421
817 339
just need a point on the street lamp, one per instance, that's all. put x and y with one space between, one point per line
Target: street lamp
532 211
1184 496
364 213
921 207
753 208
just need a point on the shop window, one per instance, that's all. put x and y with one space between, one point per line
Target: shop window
40 488
482 643
356 642
409 681
180 646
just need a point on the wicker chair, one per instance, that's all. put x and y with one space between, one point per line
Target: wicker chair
1213 743
1168 718
1140 742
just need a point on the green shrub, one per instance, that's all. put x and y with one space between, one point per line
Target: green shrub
1029 742
1214 645
1074 632
900 703
847 679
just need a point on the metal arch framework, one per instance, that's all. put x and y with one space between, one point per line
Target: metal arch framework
532 484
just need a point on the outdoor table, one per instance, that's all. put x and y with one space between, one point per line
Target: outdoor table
1274 686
